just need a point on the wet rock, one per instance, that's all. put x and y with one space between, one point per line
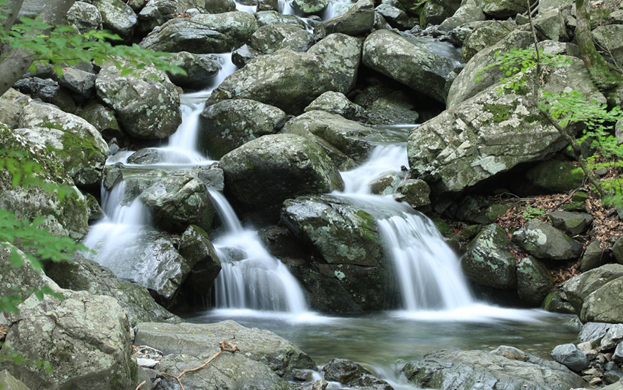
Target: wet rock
145 156
617 356
202 33
571 223
176 202
85 338
197 248
350 373
463 370
593 257
200 69
579 287
117 16
283 165
197 339
147 108
311 6
337 103
488 261
84 16
356 21
570 356
86 275
95 210
349 137
291 80
385 185
414 192
229 124
424 71
533 281
593 332
546 242
556 302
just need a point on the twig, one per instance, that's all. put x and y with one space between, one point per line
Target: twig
140 384
223 345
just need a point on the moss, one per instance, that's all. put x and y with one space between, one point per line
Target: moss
500 112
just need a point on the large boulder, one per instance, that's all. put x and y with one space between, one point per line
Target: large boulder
605 37
283 166
291 80
66 216
202 33
85 275
502 9
546 242
349 137
466 370
350 373
74 141
490 133
177 201
229 124
117 16
570 356
268 39
338 103
533 281
84 17
147 107
485 34
196 247
200 70
348 253
602 305
85 338
409 62
20 281
581 286
11 104
358 20
488 261
197 339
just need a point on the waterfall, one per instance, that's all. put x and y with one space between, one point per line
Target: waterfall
427 270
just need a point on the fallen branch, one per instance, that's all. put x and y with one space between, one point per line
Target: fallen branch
223 345
140 384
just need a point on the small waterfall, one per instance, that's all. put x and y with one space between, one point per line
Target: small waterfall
250 277
427 270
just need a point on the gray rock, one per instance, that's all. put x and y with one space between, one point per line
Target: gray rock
202 33
465 370
613 336
311 6
546 242
533 281
80 82
155 13
95 210
468 12
175 202
200 69
86 275
502 9
617 250
356 21
552 177
593 332
337 103
395 16
606 38
593 257
410 63
487 260
291 80
551 23
273 17
198 339
268 39
602 305
617 356
197 248
571 223
229 124
388 106
220 6
104 120
570 356
351 138
117 16
579 287
84 333
283 165
385 184
11 105
85 17
145 156
414 192
147 108
485 34
8 382
350 373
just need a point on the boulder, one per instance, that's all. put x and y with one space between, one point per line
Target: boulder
268 39
348 253
84 17
388 106
464 370
283 166
593 332
617 250
117 17
409 62
86 275
202 33
337 103
468 12
488 261
533 281
358 20
147 108
75 143
8 382
63 217
197 339
85 338
352 374
414 192
11 105
80 82
571 223
546 242
606 38
104 120
579 287
602 305
395 16
48 91
220 6
349 137
551 177
196 247
177 201
593 257
200 69
291 80
551 23
570 356
265 18
20 281
485 34
311 6
229 124
502 9
613 336
154 14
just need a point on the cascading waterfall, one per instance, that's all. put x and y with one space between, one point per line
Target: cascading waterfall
427 270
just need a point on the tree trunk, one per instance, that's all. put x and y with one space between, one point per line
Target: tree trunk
601 74
11 10
15 63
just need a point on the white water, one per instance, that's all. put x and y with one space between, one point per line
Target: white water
427 270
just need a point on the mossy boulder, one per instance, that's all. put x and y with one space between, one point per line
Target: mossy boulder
117 17
552 177
358 20
546 242
485 34
603 304
195 246
578 288
533 281
338 103
268 39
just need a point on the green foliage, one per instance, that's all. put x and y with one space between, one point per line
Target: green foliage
65 46
533 212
